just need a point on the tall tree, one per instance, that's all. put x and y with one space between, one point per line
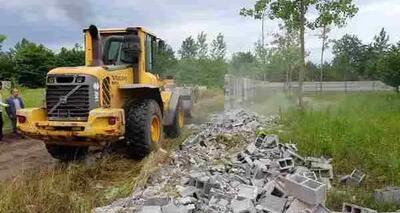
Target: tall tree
32 62
202 45
348 53
374 53
287 49
389 67
293 14
218 48
189 48
70 57
165 60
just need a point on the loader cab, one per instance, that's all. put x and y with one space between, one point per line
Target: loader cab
131 46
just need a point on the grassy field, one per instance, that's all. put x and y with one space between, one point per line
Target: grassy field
31 98
79 187
358 130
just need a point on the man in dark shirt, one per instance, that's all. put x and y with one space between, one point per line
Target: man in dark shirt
15 103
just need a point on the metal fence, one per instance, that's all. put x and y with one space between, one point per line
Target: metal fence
239 90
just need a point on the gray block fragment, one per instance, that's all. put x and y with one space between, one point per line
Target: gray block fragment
273 204
251 149
388 195
356 177
298 206
157 201
172 208
305 189
272 188
242 206
351 208
151 209
247 192
320 209
189 191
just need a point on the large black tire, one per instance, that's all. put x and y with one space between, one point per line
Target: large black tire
67 153
138 128
175 130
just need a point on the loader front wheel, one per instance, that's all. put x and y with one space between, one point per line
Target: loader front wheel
67 153
174 130
143 128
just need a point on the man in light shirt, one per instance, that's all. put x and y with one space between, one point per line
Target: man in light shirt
1 114
15 103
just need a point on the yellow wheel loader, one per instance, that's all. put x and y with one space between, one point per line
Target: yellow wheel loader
115 97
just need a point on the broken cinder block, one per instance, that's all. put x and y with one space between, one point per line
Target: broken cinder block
305 189
388 195
248 192
243 206
351 208
273 204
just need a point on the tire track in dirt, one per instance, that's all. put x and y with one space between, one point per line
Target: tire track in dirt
19 155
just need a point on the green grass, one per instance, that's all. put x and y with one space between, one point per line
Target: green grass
359 130
31 98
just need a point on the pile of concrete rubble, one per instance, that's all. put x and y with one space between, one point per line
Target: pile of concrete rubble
259 174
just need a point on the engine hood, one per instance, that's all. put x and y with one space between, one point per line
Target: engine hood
93 71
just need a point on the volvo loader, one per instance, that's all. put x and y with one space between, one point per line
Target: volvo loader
115 97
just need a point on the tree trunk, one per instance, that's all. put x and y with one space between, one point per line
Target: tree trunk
322 57
302 54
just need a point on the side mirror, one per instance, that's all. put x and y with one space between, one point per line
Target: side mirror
161 45
131 44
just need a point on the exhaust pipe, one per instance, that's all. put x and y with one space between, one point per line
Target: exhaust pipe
96 46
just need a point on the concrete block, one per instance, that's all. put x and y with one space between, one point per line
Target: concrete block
351 208
251 148
285 164
259 170
190 191
272 188
296 156
323 173
157 201
320 209
298 206
388 195
247 192
356 177
305 189
187 200
258 182
216 193
303 171
243 206
269 141
172 208
151 209
273 204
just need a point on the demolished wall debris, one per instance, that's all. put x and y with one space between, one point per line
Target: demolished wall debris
258 174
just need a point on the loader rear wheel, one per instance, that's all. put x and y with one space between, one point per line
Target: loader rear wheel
67 153
175 130
143 128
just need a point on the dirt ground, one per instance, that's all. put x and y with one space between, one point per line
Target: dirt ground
18 155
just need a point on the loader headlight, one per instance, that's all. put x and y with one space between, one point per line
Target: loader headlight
51 80
80 79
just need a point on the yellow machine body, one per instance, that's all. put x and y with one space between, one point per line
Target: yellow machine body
116 85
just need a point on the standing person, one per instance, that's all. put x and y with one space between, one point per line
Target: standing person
1 114
15 103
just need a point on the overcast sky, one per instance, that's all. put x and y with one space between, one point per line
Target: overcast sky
57 23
